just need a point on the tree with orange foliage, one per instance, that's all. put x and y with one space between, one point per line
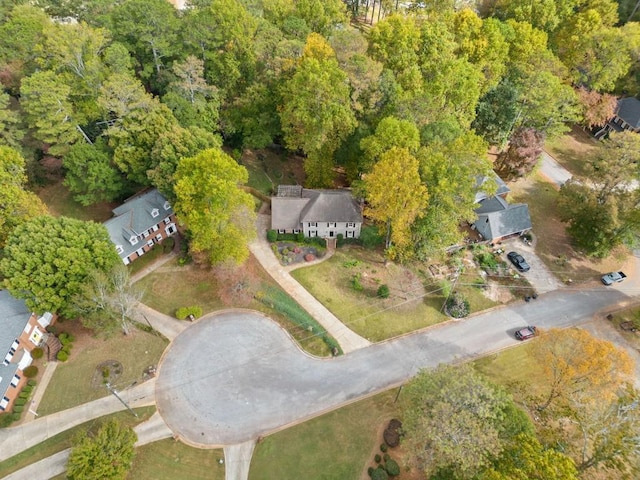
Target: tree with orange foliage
573 361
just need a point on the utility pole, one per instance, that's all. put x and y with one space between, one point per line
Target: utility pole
115 394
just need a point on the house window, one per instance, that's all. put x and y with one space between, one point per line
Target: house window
296 231
155 212
4 402
166 206
158 237
351 225
281 231
313 224
133 240
7 359
15 343
140 252
171 229
167 221
150 243
350 234
126 260
331 225
155 228
313 233
15 380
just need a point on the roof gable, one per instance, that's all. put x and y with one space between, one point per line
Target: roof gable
502 222
629 111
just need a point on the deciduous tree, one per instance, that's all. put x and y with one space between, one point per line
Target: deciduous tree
572 361
522 154
91 175
107 301
316 114
10 132
598 108
107 455
18 205
452 420
391 132
211 204
395 198
47 260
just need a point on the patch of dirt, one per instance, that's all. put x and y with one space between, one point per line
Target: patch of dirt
108 371
497 293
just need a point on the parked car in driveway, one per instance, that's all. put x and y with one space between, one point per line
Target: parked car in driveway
526 333
518 261
613 277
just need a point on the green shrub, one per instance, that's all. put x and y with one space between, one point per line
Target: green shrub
356 284
351 263
272 236
62 356
377 458
370 470
7 419
379 474
383 447
32 383
370 237
18 409
168 244
383 291
31 371
37 353
184 312
486 259
27 389
287 237
20 402
65 339
339 240
23 394
386 457
457 306
300 237
392 467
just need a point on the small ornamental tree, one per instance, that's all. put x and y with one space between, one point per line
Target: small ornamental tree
31 371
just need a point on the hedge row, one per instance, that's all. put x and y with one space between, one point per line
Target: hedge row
283 303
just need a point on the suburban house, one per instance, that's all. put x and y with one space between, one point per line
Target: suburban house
20 332
496 218
316 213
627 117
139 223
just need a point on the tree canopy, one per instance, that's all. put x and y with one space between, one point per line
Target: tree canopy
47 260
211 204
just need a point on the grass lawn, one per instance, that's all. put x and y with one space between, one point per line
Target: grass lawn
408 308
60 203
571 149
631 318
168 460
73 381
553 244
64 440
151 256
268 168
172 286
338 445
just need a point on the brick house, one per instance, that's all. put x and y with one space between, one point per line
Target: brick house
316 213
20 332
139 223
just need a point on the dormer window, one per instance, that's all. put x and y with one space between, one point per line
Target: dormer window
119 249
155 212
133 239
166 205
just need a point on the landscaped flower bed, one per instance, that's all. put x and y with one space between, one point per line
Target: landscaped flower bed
289 253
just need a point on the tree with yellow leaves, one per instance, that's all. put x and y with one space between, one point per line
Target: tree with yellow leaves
396 197
575 362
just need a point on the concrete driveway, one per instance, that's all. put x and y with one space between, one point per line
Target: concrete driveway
540 277
236 376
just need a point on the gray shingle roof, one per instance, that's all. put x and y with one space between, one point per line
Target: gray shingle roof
481 180
501 221
14 315
313 206
629 111
134 217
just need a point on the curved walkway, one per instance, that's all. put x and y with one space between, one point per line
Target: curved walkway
348 340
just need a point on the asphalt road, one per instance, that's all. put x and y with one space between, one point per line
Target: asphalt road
236 376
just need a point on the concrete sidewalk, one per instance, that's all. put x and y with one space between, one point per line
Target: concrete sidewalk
14 440
168 326
41 387
348 340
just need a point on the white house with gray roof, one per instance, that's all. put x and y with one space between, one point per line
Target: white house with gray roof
139 223
20 332
316 213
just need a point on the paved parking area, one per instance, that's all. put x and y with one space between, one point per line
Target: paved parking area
540 277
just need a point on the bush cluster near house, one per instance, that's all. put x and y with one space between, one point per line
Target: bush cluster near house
66 339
